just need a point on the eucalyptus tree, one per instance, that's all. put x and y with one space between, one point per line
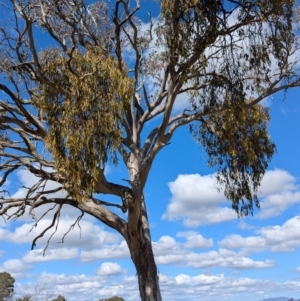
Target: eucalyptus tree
115 298
89 93
6 286
59 298
25 298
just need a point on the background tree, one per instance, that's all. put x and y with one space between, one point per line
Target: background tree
114 298
25 298
6 286
39 293
71 108
59 298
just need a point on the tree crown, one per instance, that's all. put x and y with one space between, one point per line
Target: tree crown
105 88
6 286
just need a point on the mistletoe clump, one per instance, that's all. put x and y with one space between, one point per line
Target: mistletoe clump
83 102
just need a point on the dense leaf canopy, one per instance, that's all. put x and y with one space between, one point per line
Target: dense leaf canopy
59 298
83 100
6 286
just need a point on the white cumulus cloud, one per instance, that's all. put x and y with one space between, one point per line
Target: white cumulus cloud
106 252
195 240
196 199
88 236
180 287
211 259
15 267
276 238
109 269
50 254
277 180
168 251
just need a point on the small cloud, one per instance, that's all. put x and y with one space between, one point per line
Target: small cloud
211 259
276 204
244 226
267 102
246 244
181 103
106 252
283 238
287 112
284 111
107 169
195 240
89 236
52 254
168 251
196 200
6 184
167 245
109 269
199 279
14 266
275 181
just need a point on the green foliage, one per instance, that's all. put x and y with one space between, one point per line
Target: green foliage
83 102
237 142
233 132
192 25
115 298
25 298
59 298
6 286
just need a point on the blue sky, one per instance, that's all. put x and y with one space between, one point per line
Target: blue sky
202 249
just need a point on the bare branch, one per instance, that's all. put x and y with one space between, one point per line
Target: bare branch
55 221
78 219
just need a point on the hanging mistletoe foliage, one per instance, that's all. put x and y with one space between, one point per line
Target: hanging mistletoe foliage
83 102
238 144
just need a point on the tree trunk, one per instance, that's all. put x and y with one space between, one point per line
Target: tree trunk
140 246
